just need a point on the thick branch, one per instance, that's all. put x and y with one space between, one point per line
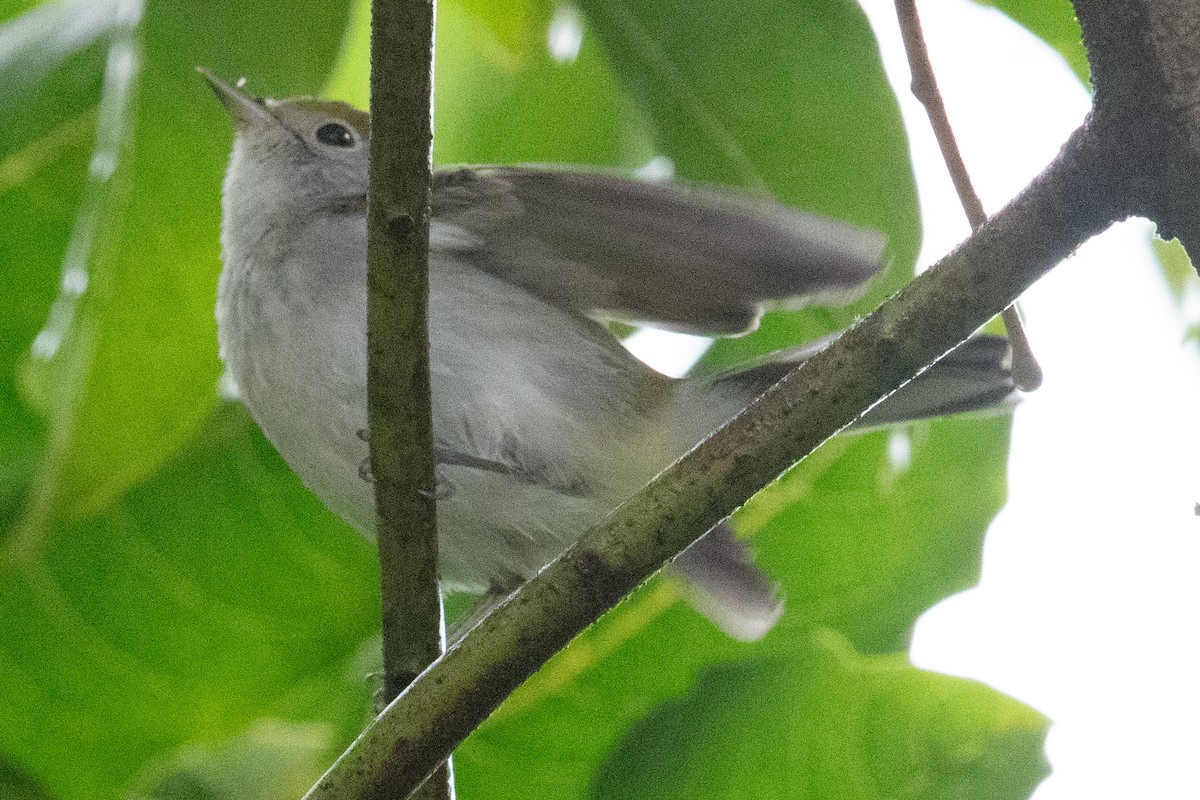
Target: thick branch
1145 59
938 310
399 412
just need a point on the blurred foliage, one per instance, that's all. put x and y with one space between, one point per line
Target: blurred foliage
1052 21
1176 266
180 618
825 722
1181 277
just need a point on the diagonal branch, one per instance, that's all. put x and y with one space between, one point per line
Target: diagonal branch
934 313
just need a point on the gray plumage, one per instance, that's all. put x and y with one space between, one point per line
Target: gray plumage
680 257
543 421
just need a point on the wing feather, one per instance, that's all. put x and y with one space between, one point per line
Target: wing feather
673 255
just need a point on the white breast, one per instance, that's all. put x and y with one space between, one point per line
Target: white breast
514 381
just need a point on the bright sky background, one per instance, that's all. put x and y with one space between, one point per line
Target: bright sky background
1088 604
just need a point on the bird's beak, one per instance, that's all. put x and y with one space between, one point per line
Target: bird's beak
244 109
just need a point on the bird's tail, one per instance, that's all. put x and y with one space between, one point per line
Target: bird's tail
974 376
723 582
724 585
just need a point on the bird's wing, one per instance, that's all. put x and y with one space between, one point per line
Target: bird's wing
672 255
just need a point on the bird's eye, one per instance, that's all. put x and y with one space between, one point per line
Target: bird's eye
335 134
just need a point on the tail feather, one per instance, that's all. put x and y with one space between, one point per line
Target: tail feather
724 585
975 375
722 581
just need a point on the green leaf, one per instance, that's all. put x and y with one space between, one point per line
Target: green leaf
214 594
130 365
1176 266
1052 21
135 622
770 99
504 99
776 98
1180 275
864 544
53 58
826 722
271 761
501 98
14 8
62 350
17 784
857 544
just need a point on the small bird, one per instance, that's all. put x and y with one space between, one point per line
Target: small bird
543 421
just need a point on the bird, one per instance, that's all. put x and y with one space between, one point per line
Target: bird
543 421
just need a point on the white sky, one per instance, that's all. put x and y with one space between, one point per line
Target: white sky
1088 604
1089 598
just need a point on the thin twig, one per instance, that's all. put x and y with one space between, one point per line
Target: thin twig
400 417
1027 375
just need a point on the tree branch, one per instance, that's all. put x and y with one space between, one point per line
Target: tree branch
1145 60
399 414
939 309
